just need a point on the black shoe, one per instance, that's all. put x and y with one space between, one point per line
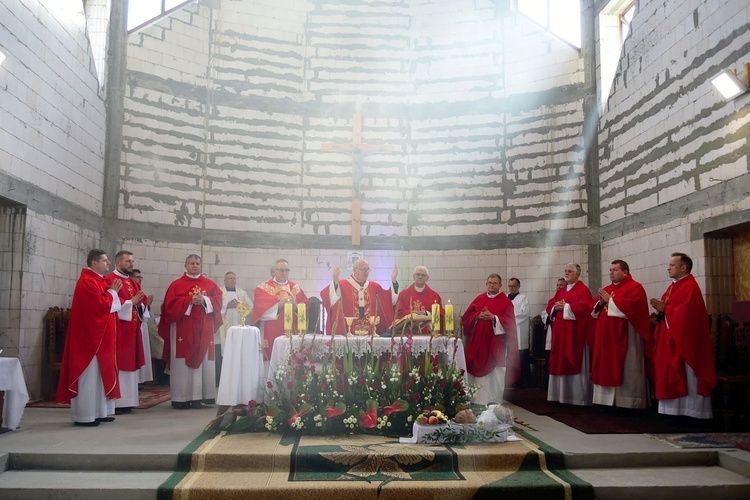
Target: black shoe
181 405
123 410
209 402
197 405
87 424
106 419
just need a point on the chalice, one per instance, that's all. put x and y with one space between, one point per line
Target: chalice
349 320
243 308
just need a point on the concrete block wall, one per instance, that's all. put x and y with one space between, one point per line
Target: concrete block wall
52 117
478 118
666 133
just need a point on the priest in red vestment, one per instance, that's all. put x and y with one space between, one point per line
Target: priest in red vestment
685 375
88 376
268 304
623 347
130 353
359 298
414 304
572 336
492 359
190 315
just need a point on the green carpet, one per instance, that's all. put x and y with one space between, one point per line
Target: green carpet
217 464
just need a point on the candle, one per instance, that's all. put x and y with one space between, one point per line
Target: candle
449 317
301 318
288 316
435 318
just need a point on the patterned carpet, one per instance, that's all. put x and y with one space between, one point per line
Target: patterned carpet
220 465
148 397
705 439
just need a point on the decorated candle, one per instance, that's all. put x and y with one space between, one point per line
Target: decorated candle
288 316
301 318
435 317
448 317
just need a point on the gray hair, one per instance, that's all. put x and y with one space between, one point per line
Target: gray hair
426 271
574 266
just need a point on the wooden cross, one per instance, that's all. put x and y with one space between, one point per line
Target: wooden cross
357 151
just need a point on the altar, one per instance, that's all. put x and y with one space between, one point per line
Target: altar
449 350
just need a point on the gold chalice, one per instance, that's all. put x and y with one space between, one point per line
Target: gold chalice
349 320
243 308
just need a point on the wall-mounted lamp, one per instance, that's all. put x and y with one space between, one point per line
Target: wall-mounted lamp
729 85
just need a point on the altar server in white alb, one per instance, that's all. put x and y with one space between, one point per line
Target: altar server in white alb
521 308
232 295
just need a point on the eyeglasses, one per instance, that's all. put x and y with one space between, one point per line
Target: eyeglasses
514 286
282 270
420 275
365 269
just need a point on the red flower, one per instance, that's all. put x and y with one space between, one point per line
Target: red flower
306 397
361 381
430 385
335 410
435 369
369 419
462 393
457 384
324 385
289 384
416 397
413 380
293 401
442 383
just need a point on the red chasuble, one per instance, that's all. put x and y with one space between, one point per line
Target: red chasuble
92 331
265 296
377 303
485 351
410 300
195 333
569 336
683 337
130 355
611 333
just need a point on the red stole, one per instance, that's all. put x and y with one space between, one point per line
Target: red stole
410 300
486 351
92 331
568 336
265 296
195 333
377 303
683 337
130 355
611 333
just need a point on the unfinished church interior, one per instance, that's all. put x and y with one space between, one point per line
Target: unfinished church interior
460 135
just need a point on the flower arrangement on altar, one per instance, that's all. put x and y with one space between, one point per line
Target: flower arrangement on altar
355 391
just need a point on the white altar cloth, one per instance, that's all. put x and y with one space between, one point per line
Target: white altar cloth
449 349
242 368
16 395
